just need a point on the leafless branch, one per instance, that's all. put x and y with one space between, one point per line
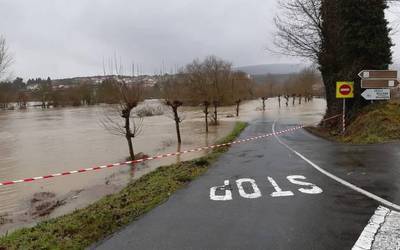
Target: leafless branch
5 57
299 28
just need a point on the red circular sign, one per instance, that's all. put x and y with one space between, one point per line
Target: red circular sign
345 89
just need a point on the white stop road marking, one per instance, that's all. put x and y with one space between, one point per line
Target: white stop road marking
256 192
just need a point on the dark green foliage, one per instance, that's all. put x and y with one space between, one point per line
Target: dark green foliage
364 42
355 36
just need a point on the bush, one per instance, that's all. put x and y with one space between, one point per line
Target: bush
147 110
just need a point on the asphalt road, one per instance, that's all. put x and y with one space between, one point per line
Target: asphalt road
311 211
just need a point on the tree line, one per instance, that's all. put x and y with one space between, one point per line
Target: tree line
209 83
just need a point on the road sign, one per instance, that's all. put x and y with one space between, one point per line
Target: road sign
344 90
376 94
379 83
378 74
378 79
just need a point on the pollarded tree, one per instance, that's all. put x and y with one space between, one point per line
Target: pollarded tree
199 85
218 74
129 126
241 88
174 92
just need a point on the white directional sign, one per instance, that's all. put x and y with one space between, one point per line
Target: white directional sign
376 94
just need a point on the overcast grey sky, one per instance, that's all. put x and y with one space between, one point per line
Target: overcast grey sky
65 38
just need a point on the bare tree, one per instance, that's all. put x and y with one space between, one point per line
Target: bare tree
241 88
279 100
120 120
218 72
263 92
287 99
294 99
5 57
299 28
129 96
174 91
200 87
210 82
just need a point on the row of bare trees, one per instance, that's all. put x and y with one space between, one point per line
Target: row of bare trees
210 83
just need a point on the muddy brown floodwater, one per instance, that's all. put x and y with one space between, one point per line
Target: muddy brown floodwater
37 142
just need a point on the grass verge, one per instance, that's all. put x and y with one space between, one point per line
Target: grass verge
376 123
91 224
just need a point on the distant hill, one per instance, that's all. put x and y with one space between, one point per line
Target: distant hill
274 69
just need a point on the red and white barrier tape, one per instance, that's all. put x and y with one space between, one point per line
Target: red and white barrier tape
5 183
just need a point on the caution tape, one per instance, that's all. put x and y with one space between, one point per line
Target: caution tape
96 168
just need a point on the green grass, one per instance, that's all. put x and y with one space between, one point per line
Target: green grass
91 224
376 123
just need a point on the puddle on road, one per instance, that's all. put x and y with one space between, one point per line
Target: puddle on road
37 142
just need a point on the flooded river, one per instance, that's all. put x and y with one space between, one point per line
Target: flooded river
38 142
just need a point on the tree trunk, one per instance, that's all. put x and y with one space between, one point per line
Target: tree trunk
263 103
177 121
216 113
129 138
206 104
237 107
334 105
130 144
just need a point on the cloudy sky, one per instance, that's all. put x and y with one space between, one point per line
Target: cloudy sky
65 38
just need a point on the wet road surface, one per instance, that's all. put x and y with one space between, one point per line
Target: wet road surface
261 195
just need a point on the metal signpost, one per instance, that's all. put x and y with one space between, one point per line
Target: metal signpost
344 90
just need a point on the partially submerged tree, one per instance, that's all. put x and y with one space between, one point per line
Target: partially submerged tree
218 73
241 88
212 82
200 87
44 92
120 120
128 96
263 92
174 94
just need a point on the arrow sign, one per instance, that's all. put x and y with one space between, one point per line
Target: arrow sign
376 94
379 83
378 74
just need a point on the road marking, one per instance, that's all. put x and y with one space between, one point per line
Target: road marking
314 189
278 191
226 197
367 236
256 191
334 177
381 232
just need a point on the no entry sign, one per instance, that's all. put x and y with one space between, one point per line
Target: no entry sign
344 90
